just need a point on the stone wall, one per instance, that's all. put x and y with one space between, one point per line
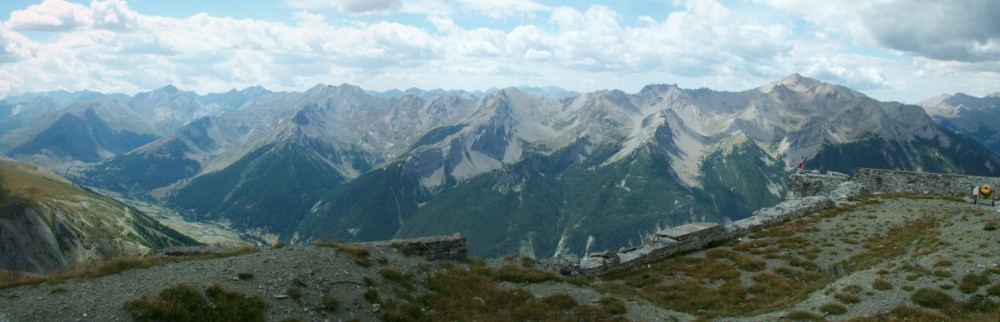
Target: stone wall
450 247
813 183
890 181
663 247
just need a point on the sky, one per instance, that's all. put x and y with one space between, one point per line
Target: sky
900 50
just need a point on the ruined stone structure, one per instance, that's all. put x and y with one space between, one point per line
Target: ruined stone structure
808 193
684 233
451 247
889 181
696 236
814 183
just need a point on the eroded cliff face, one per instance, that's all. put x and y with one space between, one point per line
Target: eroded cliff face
27 243
48 223
43 241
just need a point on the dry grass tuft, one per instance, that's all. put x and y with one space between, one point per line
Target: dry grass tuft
183 302
970 283
457 294
931 298
833 308
881 284
797 315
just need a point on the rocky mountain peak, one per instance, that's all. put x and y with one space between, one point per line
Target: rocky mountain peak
169 89
795 83
345 90
657 88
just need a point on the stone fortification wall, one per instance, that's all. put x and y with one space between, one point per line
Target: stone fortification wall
447 247
450 247
890 181
814 183
662 247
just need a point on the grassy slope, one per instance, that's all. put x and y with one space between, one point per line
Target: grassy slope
92 215
136 174
271 188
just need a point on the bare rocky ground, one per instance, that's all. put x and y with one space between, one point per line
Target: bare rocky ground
954 246
958 243
270 274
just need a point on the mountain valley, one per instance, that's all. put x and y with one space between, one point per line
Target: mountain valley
562 174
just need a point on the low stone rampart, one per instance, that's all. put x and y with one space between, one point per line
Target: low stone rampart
449 247
891 181
814 184
608 262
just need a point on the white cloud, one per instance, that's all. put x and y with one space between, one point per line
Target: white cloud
110 47
50 15
535 54
498 9
13 46
367 7
967 31
944 30
113 14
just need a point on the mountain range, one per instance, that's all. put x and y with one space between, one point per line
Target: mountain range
535 172
977 117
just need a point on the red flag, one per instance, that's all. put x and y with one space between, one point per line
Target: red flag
800 165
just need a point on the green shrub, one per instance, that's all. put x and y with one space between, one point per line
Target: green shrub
244 276
931 298
183 302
